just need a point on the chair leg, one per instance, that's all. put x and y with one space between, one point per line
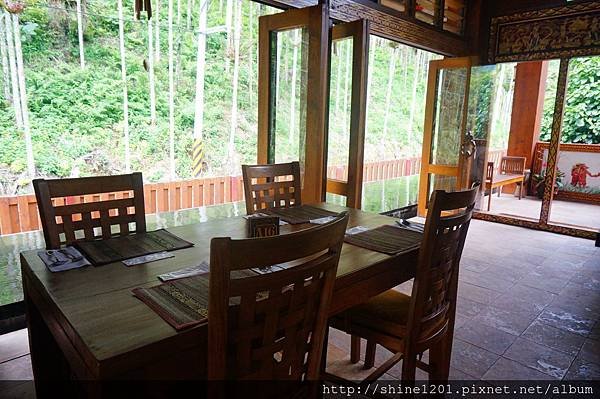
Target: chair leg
490 200
439 358
499 191
409 368
521 190
370 354
354 349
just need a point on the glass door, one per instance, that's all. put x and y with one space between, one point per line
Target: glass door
447 144
292 93
347 110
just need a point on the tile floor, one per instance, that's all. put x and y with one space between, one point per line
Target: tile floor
528 308
562 212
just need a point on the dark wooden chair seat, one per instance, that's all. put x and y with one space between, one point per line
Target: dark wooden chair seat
410 325
387 314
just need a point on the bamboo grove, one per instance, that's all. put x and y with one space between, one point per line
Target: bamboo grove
88 89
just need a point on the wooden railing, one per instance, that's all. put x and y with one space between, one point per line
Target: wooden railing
376 171
20 213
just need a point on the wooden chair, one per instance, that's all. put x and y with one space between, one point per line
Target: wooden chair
271 326
512 170
268 186
410 325
62 224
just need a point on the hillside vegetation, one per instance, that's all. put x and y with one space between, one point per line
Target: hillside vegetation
77 114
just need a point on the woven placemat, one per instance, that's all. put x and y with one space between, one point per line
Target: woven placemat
387 239
182 303
101 252
299 214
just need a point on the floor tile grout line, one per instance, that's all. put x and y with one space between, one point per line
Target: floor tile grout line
539 371
549 347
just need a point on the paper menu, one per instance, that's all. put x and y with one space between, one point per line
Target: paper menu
67 258
202 268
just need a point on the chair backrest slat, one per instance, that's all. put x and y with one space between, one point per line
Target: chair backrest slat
271 186
489 173
433 300
272 326
75 208
512 165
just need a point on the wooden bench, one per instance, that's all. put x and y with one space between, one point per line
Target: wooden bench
512 171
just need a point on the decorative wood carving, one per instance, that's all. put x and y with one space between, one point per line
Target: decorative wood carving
568 31
389 25
533 224
559 107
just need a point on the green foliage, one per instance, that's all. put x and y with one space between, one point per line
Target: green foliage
581 121
77 115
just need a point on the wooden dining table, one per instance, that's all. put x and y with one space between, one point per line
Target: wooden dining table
85 324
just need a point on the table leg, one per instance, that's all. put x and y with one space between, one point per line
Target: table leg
50 371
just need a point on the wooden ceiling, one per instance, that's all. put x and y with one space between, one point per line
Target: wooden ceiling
463 28
417 28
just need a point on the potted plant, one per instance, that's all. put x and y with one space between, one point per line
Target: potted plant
539 182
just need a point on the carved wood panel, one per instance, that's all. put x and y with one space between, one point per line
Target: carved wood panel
389 25
559 32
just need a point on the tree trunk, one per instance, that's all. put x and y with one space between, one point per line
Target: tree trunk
228 18
251 52
23 94
506 108
171 95
498 97
413 101
278 69
388 94
372 49
178 59
188 23
178 14
303 102
12 62
406 52
285 62
404 67
347 94
151 78
293 90
200 69
124 82
338 76
234 95
80 34
4 58
156 14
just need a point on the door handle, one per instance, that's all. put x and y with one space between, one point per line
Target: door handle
469 147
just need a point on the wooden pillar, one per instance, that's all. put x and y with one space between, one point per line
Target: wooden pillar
527 108
554 147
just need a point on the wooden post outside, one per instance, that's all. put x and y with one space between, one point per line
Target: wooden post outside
527 108
554 148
